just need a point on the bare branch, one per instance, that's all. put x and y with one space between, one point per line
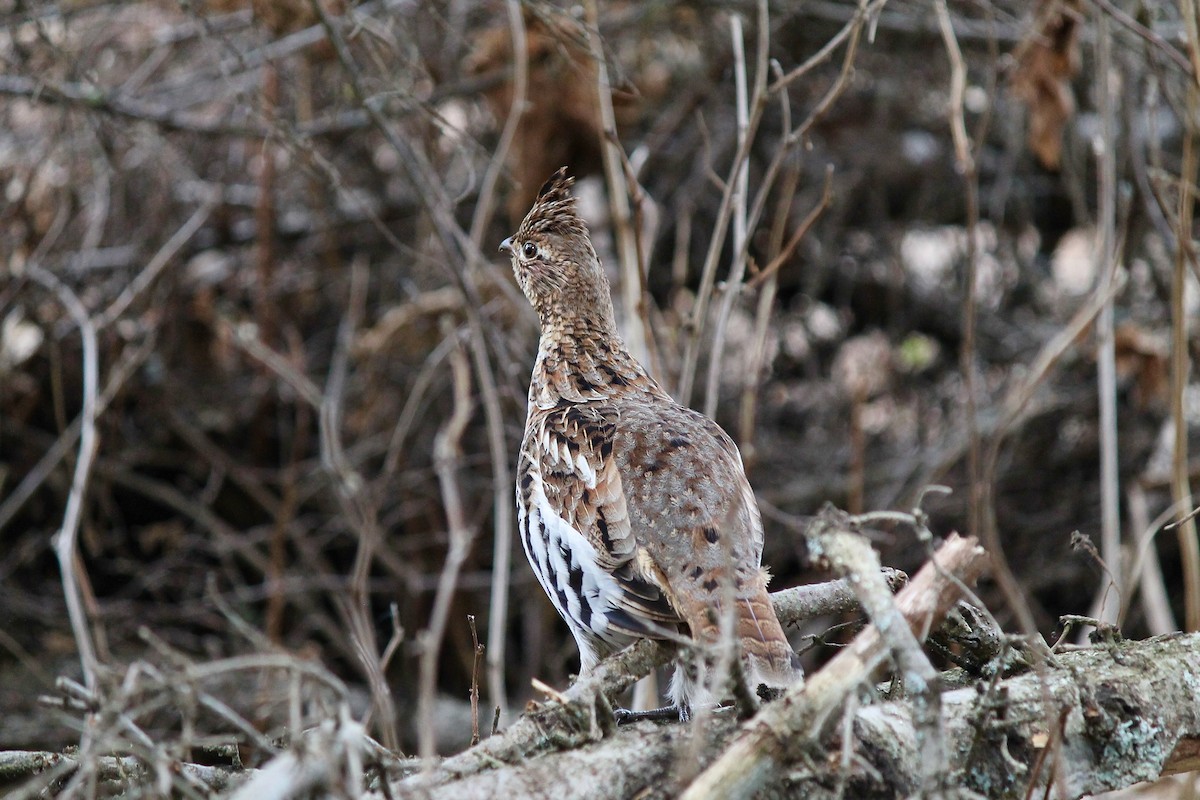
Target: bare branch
1188 532
501 503
750 763
65 548
447 456
637 333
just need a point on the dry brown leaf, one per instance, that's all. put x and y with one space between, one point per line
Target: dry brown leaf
1142 362
561 123
1046 62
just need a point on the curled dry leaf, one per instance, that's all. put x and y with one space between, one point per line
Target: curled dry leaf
1046 62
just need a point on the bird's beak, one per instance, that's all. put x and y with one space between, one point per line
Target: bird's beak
506 246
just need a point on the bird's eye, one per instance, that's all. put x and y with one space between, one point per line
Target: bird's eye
529 250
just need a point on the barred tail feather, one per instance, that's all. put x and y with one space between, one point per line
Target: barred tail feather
767 653
767 657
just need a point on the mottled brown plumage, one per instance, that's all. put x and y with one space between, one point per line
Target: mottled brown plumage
634 511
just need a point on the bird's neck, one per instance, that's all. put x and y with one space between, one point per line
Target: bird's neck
581 330
593 320
580 347
581 361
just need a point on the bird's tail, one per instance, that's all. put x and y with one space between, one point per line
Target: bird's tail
766 653
766 656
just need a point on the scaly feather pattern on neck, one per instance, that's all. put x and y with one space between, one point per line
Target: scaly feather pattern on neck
581 364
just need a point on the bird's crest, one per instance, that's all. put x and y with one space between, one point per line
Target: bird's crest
554 209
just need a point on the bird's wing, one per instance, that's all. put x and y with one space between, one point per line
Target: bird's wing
691 487
698 523
569 479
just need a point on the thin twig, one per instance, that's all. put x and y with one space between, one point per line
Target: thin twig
358 508
755 372
852 557
491 175
65 549
1015 403
1144 570
245 336
862 12
501 499
447 456
1157 42
741 180
965 162
478 651
264 211
160 260
1181 493
694 326
1106 368
131 360
430 370
637 331
768 272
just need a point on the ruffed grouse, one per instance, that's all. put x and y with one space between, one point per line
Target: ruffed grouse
634 511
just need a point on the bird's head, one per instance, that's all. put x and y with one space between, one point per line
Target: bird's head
553 258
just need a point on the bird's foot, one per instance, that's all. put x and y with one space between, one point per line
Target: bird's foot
768 693
665 714
683 713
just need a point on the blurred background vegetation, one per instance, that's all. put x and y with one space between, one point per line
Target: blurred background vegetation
279 220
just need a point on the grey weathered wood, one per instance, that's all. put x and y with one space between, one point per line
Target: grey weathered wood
1130 712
